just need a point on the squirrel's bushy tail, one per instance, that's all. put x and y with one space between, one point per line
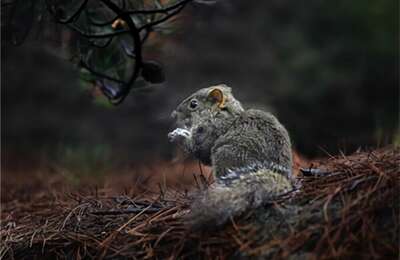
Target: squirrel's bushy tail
221 201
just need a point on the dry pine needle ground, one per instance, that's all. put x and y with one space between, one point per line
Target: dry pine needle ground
349 207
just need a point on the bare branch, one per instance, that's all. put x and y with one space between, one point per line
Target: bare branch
103 25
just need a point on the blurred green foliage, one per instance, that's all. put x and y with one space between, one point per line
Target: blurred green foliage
328 69
339 81
80 161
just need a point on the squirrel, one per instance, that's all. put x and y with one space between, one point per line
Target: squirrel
249 152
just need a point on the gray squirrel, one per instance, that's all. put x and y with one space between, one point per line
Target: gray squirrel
249 151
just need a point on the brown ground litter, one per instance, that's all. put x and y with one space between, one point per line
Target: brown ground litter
349 207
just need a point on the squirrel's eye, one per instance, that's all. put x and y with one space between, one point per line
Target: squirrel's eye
193 103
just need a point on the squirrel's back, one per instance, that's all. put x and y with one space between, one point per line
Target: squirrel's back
254 139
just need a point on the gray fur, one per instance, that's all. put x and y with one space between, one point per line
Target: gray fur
249 150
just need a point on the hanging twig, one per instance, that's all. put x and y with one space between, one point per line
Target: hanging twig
101 33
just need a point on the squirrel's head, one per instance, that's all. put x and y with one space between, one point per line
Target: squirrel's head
211 102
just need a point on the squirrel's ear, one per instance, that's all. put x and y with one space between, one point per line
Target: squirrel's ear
217 96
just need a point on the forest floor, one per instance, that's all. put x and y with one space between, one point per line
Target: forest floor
346 206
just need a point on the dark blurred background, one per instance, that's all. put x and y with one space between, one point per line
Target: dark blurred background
327 69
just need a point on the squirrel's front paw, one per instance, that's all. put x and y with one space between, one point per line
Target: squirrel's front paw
179 133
